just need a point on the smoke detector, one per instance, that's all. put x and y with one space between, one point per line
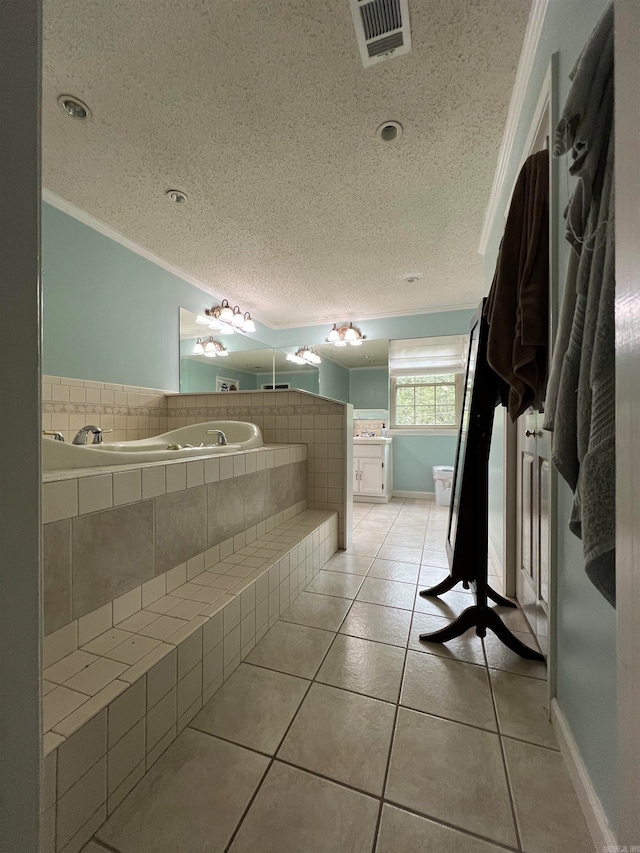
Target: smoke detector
382 29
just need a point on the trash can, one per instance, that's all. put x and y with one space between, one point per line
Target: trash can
443 479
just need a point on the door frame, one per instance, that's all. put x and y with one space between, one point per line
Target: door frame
20 423
627 188
547 100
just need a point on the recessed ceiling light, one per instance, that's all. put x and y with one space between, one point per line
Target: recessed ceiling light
389 131
177 196
74 107
411 277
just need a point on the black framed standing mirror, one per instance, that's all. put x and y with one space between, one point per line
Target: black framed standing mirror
468 529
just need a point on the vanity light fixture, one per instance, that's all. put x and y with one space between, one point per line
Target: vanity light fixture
226 320
248 325
343 335
295 359
305 355
213 348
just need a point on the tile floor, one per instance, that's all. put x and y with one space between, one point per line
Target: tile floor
343 733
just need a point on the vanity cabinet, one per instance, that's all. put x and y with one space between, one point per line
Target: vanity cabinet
372 470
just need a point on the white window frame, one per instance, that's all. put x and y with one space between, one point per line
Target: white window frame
425 429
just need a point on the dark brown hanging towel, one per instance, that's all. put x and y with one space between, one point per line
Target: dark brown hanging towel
517 309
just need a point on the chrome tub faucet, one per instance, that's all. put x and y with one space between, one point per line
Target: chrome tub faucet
222 438
83 434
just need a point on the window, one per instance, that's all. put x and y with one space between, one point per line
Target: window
425 400
427 383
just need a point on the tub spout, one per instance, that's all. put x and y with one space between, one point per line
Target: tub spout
222 438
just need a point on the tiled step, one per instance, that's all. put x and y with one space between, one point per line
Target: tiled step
112 706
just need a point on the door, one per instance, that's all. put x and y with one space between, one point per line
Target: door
371 476
533 533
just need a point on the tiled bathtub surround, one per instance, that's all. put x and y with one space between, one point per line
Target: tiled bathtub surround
285 417
288 417
107 533
131 412
115 704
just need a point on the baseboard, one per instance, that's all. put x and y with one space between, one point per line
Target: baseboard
371 499
422 495
602 834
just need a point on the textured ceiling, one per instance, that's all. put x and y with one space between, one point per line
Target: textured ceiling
263 114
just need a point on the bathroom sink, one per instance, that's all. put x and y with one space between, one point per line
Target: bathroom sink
240 436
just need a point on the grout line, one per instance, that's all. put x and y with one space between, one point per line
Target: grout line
103 845
391 744
273 758
500 844
504 765
531 743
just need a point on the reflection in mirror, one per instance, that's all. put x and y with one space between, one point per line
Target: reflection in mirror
357 375
303 377
240 363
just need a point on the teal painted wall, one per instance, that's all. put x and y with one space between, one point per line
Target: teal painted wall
196 377
369 388
109 314
414 457
334 380
586 624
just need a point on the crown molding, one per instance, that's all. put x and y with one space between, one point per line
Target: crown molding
107 231
523 77
362 318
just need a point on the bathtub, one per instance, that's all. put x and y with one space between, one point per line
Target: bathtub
58 455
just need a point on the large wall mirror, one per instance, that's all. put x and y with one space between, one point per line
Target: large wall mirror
358 375
303 377
210 361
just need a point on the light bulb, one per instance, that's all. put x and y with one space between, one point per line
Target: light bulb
238 319
333 335
226 330
201 320
198 348
248 325
210 347
210 354
226 312
356 343
351 334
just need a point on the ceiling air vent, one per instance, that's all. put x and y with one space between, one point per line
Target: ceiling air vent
382 29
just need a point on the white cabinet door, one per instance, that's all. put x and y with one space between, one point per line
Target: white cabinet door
356 476
371 476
